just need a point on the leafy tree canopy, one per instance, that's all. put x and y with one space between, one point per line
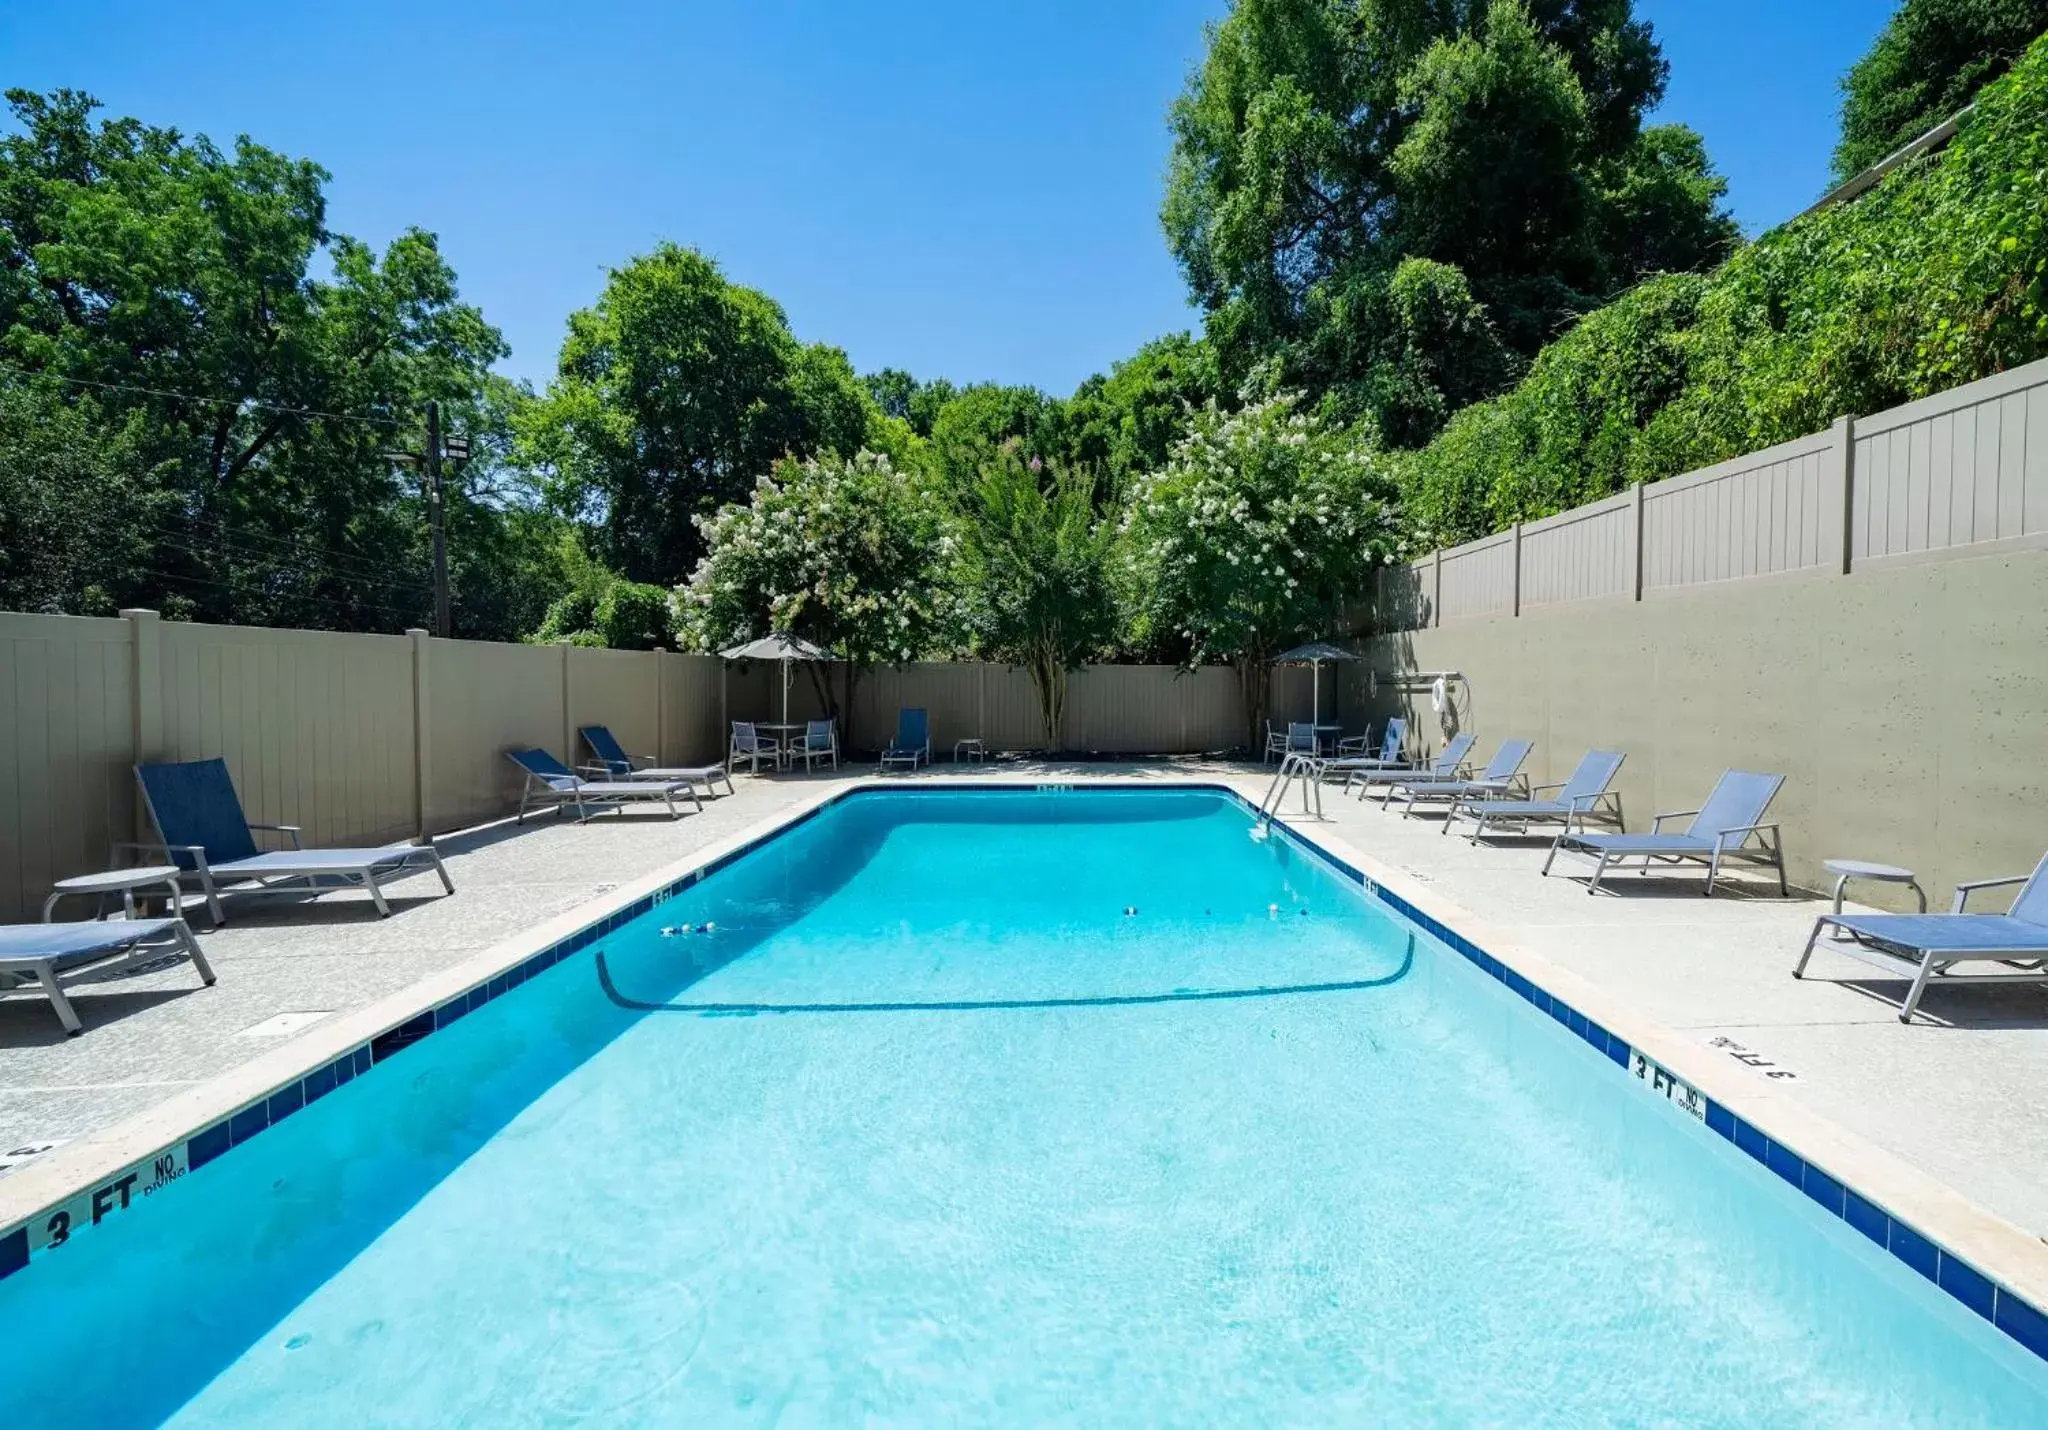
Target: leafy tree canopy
1033 574
1932 279
1322 142
674 392
227 415
1928 62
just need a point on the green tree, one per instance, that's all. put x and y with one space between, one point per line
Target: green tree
849 553
903 397
983 419
1928 62
1255 534
674 392
1128 421
158 301
1034 575
1934 278
1324 141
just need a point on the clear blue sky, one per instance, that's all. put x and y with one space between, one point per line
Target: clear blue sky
962 189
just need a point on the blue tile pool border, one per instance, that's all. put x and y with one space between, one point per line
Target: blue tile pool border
2024 1323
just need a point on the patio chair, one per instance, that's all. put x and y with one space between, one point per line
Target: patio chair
1586 792
821 742
1721 830
53 956
1926 946
752 746
614 764
1448 765
1501 776
1393 753
912 742
552 784
199 818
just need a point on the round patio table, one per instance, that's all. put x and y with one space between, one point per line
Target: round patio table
124 882
782 731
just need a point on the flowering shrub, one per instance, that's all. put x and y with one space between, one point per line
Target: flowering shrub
1262 524
846 552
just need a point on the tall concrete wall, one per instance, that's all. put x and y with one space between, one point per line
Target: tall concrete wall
1906 702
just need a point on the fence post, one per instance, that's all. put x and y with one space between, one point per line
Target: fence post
146 726
422 725
661 754
1518 568
1635 541
1436 587
568 708
1838 497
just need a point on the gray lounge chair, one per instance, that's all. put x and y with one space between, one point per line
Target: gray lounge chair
1925 946
1585 793
552 784
1721 830
1448 765
199 818
53 956
613 763
1502 776
1393 753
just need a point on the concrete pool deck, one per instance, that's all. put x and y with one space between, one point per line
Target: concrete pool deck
1961 1096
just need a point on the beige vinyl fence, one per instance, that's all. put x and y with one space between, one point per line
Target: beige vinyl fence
366 738
1864 610
1962 472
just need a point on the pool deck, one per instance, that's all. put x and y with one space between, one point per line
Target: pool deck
1960 1098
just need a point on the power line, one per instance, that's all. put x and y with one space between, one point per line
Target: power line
254 402
403 612
231 538
389 578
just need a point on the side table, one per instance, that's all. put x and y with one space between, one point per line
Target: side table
1846 869
124 882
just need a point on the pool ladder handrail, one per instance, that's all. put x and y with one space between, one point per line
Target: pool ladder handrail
1297 765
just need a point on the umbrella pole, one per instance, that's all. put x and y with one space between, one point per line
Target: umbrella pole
1315 681
785 694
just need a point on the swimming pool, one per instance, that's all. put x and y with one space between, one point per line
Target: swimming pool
1014 1107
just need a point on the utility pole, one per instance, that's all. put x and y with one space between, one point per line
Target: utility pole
438 510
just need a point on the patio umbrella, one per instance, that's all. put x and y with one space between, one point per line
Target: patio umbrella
784 648
1315 655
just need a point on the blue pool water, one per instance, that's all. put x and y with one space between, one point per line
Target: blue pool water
930 1130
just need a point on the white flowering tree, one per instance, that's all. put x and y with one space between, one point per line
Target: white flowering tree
1252 537
849 553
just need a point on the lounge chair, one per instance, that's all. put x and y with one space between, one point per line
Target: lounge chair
552 784
614 764
1393 753
1924 946
1448 765
199 817
820 742
1501 777
55 955
1721 830
752 746
912 742
1586 792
